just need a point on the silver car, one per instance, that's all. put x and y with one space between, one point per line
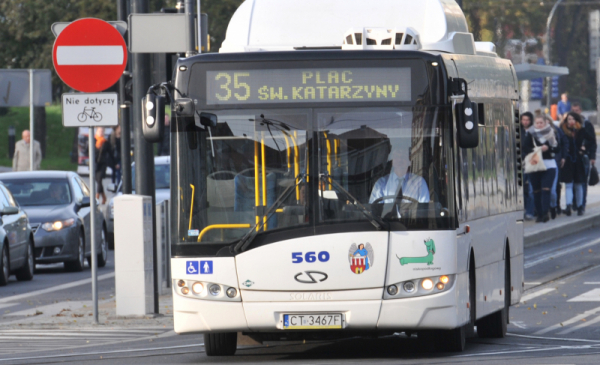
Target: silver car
16 240
58 206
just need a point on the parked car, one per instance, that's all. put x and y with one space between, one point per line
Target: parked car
162 176
58 206
16 240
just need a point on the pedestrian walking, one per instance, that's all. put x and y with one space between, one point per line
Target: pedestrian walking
560 158
115 153
573 173
564 106
542 135
526 122
22 153
102 161
590 146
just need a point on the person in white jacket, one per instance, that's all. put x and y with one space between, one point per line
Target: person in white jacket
22 152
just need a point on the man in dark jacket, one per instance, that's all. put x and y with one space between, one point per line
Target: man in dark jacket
590 146
526 122
560 157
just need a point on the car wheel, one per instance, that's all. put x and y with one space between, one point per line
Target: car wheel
110 238
79 262
25 273
103 254
4 266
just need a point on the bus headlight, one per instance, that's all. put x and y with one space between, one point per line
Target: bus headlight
409 287
427 284
197 288
392 290
420 287
231 292
214 289
202 290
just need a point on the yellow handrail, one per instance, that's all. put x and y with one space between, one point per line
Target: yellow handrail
256 191
264 179
328 157
222 226
296 165
192 206
288 150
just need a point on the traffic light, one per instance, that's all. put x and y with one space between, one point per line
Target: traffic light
153 112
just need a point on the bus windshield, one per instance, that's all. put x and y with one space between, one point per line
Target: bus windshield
305 171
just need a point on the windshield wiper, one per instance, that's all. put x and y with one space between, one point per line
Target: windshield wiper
249 237
375 221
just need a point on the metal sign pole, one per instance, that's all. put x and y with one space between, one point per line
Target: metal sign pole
31 139
94 255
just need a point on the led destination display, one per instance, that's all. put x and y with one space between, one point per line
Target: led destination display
308 85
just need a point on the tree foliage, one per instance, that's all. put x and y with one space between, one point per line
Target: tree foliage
219 13
501 20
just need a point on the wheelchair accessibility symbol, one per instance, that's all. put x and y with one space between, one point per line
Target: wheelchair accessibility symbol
191 267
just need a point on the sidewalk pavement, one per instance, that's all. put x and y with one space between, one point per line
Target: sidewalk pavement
79 315
540 233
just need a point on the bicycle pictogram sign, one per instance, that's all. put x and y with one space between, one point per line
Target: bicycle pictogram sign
89 112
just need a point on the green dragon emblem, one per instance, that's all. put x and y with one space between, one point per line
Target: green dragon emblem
430 245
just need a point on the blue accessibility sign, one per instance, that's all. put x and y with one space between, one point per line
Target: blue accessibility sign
191 267
206 267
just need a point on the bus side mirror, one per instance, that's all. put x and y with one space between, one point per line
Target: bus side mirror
185 107
153 117
467 122
206 120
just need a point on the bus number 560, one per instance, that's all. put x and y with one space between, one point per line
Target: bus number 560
323 256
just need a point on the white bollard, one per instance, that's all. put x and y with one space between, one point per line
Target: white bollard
133 255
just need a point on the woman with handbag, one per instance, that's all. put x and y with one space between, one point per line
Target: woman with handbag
573 173
540 147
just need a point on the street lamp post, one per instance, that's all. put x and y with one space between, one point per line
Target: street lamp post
548 53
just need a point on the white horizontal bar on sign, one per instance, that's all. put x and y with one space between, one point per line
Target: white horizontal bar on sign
89 55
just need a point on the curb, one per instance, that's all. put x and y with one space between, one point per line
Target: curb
544 236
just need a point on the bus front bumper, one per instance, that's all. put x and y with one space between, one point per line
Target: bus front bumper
445 310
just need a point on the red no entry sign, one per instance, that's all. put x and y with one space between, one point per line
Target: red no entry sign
89 55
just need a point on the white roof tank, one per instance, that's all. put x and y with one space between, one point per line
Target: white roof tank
279 25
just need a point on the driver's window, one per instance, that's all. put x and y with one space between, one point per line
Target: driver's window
84 188
3 200
356 158
10 201
76 190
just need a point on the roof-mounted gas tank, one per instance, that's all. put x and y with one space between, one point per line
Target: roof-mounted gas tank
279 25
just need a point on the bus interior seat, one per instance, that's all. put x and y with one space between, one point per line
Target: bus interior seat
220 187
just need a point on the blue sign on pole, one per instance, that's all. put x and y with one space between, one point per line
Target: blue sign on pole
555 87
537 89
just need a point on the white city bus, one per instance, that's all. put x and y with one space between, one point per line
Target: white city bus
333 175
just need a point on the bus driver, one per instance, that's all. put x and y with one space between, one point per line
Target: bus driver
413 186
